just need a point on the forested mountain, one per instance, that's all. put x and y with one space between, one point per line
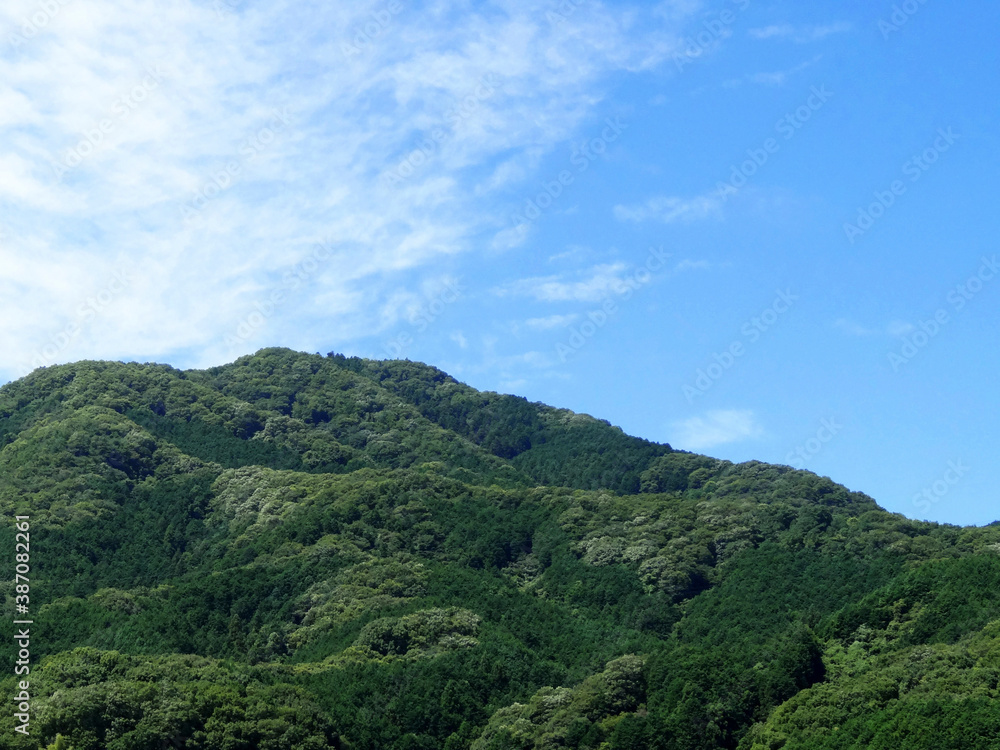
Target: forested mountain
296 551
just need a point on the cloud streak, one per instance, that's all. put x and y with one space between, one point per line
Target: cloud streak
591 285
716 428
850 327
800 34
671 209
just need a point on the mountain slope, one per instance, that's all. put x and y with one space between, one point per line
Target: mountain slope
388 558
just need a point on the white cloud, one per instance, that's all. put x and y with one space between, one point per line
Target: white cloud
716 428
508 239
693 265
572 252
669 209
550 322
800 34
899 328
514 385
151 104
773 78
852 328
591 285
408 303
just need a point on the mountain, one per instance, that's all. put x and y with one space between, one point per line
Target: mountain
295 551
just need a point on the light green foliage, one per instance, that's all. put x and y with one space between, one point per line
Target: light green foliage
421 635
103 700
557 717
924 697
82 466
366 587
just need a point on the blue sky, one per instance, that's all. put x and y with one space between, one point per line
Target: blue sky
750 229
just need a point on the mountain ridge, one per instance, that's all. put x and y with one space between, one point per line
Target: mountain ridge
392 559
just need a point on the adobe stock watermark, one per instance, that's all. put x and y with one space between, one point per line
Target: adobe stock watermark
828 430
940 488
372 30
224 178
37 22
958 298
430 146
121 109
914 168
582 155
715 28
423 317
786 127
581 335
291 281
752 331
86 313
900 16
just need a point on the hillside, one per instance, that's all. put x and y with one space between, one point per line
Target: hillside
295 551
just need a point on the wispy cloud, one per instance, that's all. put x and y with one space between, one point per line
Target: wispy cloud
850 327
508 239
550 322
716 428
214 150
800 34
773 78
693 265
590 285
899 328
670 209
571 253
853 328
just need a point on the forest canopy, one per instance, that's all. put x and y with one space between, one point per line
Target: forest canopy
295 551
